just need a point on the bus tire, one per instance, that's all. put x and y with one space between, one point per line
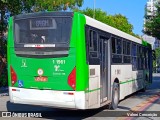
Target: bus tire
143 89
115 96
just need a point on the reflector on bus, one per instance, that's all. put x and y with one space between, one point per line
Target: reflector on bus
13 76
72 79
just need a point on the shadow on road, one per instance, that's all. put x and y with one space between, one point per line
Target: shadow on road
124 108
156 78
54 113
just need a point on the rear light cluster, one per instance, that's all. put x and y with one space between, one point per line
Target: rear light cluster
68 93
72 79
13 89
13 76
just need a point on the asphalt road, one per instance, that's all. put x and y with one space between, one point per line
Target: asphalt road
134 104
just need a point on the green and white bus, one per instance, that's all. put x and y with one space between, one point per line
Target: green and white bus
69 60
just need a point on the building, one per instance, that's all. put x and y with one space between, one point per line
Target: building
150 12
150 7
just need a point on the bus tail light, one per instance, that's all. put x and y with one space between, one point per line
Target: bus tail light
72 79
13 76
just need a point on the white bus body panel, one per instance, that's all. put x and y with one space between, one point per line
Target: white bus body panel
130 81
94 86
48 98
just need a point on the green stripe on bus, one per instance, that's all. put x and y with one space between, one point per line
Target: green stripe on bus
129 81
93 90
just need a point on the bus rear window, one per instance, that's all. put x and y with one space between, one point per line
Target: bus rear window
43 30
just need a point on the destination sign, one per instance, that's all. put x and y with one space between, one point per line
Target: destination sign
42 23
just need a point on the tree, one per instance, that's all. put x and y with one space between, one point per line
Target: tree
50 5
19 6
152 24
15 7
118 21
156 61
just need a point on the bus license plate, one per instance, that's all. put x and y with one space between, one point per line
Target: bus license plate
41 79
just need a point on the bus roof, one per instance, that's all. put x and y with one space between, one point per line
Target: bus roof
102 26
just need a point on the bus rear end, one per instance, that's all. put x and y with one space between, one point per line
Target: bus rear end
42 63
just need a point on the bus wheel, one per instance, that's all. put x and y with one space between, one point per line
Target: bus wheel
115 96
143 89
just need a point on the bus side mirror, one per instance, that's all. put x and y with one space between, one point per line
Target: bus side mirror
153 54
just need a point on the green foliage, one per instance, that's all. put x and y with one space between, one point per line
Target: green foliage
51 5
156 62
3 78
118 21
19 6
157 52
152 25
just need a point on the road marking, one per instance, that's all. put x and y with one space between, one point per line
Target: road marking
141 107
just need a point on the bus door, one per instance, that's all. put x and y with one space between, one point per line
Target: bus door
104 68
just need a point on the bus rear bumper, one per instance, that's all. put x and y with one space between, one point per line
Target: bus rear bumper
61 99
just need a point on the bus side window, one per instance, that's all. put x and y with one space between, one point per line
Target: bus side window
119 46
116 50
128 48
126 51
140 58
93 44
134 56
143 57
113 45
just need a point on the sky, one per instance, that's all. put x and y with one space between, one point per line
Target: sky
132 9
